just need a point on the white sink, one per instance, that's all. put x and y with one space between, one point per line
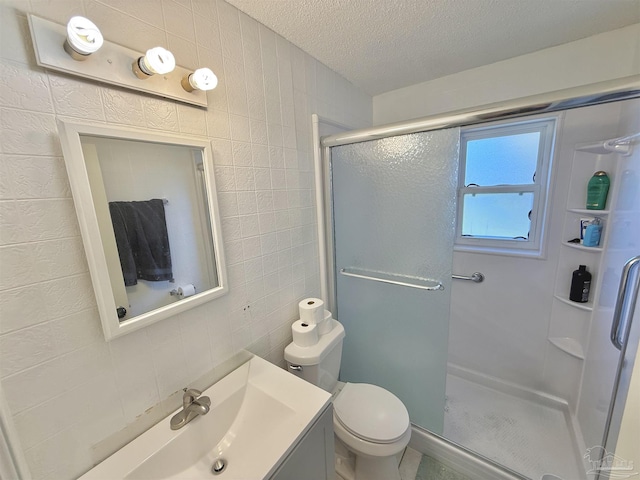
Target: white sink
258 414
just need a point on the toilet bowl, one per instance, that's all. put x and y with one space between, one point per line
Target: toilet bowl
371 424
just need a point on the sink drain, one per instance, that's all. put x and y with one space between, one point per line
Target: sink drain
218 466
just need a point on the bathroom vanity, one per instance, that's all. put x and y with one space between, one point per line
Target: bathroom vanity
263 423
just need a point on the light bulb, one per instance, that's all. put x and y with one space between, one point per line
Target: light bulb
157 60
202 79
83 38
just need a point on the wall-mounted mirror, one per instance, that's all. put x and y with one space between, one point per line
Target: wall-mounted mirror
148 212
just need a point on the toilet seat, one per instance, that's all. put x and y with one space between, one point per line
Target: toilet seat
371 413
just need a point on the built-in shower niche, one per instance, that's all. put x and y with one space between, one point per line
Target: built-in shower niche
571 321
573 226
589 158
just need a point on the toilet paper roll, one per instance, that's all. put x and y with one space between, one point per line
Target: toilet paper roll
311 310
186 291
326 325
304 334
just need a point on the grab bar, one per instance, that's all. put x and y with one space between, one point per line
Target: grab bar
476 277
620 326
352 273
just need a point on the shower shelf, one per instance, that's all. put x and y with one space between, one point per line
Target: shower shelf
597 148
568 345
584 211
577 246
580 306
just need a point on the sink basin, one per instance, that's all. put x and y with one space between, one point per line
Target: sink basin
258 414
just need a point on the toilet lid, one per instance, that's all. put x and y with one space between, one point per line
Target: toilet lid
371 413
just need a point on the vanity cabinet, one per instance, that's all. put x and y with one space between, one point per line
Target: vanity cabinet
314 456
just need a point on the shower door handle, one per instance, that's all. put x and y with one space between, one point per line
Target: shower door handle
620 326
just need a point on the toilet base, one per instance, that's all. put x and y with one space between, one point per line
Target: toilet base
374 468
350 466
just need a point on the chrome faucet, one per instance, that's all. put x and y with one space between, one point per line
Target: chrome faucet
193 405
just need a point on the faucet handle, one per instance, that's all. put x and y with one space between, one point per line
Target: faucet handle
190 394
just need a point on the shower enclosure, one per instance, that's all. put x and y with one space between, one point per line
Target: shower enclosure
390 200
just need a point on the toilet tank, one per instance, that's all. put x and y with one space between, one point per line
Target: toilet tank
320 363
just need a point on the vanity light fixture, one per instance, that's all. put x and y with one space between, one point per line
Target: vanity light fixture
157 60
61 47
83 38
202 79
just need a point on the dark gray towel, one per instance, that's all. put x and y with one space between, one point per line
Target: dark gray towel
143 243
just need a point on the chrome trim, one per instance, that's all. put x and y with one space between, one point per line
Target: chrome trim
295 368
327 171
193 405
575 97
476 277
437 286
459 457
219 466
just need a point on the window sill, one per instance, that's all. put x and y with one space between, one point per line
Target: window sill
534 254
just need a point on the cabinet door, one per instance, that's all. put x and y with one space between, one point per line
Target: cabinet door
313 458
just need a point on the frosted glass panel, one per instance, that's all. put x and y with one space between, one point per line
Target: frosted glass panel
394 212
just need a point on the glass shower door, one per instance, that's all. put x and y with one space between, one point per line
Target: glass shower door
394 221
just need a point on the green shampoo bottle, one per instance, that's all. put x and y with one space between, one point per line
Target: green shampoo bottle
597 191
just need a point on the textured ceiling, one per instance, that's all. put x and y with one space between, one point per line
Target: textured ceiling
381 45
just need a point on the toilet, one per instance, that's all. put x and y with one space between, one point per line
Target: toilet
371 424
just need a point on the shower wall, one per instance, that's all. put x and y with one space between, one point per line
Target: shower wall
500 327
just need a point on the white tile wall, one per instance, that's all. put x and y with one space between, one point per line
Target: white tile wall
69 391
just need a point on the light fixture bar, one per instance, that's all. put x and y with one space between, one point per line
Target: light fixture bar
112 65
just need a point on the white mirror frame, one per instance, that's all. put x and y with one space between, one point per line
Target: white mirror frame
70 134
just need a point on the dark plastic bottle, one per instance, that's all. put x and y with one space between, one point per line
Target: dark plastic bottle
580 285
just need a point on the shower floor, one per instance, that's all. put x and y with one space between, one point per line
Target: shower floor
527 437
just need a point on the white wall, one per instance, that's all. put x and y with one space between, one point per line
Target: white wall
69 391
606 56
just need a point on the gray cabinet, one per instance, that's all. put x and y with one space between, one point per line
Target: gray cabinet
313 457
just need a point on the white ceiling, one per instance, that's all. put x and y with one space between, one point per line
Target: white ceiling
382 45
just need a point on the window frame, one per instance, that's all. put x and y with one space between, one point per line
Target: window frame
534 245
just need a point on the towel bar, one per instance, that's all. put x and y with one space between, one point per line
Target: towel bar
437 286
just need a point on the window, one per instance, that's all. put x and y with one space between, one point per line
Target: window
502 190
